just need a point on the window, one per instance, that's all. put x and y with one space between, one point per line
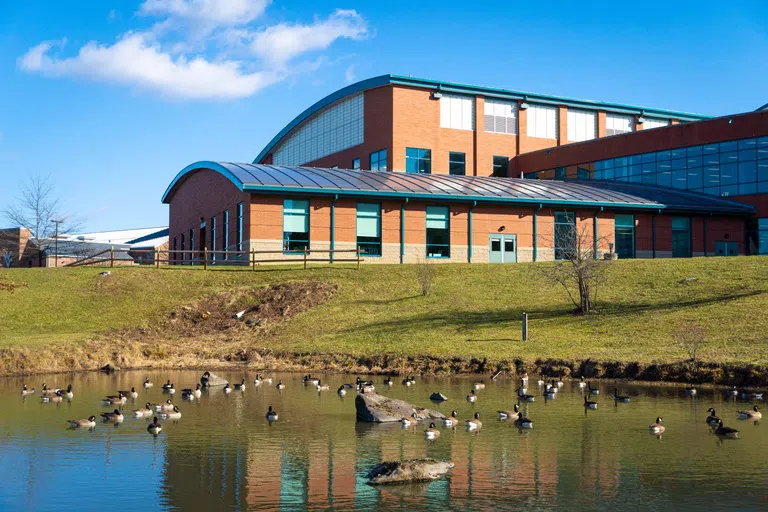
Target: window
239 226
418 161
379 160
213 237
582 125
457 163
369 229
500 116
337 127
565 235
438 232
457 112
542 121
226 233
295 225
762 236
500 166
356 163
681 237
624 235
654 123
616 124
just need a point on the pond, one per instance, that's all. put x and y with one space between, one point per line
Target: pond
223 454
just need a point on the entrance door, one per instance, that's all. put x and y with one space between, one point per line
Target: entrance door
503 248
723 248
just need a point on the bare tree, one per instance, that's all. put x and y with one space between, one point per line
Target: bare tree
6 258
579 267
36 209
425 274
690 337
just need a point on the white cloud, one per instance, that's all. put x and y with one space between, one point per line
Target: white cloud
220 12
350 75
281 43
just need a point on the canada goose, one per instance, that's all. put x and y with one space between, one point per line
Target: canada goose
68 394
754 414
524 379
525 398
322 387
172 415
147 383
131 394
733 391
592 390
690 391
227 389
523 422
366 388
407 422
504 415
154 428
553 386
112 399
268 380
189 393
57 397
308 380
582 384
550 391
407 381
341 391
472 397
751 395
589 405
560 382
241 386
280 385
258 379
46 391
168 388
451 421
712 419
620 398
657 428
523 387
431 432
729 432
474 423
27 391
388 381
480 385
166 407
88 423
271 415
146 411
115 417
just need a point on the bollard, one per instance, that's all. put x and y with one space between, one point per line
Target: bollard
525 326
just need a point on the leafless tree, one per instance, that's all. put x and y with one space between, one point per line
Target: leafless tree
690 337
425 274
35 209
6 258
579 266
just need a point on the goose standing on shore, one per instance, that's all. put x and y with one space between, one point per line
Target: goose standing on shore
620 398
86 423
754 414
712 419
154 428
474 423
657 428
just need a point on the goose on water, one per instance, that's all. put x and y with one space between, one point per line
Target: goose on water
505 415
85 423
620 398
712 419
523 422
657 427
728 432
474 423
451 421
154 428
589 405
432 432
753 414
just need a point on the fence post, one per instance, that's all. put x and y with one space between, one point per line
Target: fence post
205 258
358 258
305 258
112 256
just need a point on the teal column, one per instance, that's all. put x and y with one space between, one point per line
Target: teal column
333 226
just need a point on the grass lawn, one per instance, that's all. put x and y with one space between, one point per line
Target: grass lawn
472 310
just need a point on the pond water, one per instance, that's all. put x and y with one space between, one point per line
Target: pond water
223 454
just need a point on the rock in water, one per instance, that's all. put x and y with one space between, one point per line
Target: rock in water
376 408
438 397
412 470
211 379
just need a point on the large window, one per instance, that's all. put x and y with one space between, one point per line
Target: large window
565 235
239 226
379 160
226 233
542 121
337 127
500 116
418 161
582 125
295 224
624 235
457 112
651 122
457 163
681 237
762 236
369 229
501 166
438 232
616 124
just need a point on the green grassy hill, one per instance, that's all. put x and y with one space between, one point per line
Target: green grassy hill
472 310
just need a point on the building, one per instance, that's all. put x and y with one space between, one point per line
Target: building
465 173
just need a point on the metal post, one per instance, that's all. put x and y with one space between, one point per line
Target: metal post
525 326
205 258
358 257
112 256
305 258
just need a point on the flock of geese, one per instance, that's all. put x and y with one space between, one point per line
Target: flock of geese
169 410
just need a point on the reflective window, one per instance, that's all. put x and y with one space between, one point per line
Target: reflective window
582 125
378 160
295 225
565 235
356 163
438 232
418 161
369 229
226 233
542 121
500 166
239 226
681 237
624 235
457 163
616 124
762 234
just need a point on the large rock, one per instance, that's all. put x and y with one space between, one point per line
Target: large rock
211 379
412 470
376 408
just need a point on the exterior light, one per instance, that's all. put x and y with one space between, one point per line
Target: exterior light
502 228
436 95
524 105
730 121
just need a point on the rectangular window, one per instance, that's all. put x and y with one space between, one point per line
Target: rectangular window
457 163
418 161
500 116
654 123
356 163
213 238
624 235
369 229
762 236
582 125
378 160
681 237
500 166
438 232
457 112
226 233
616 124
239 226
542 121
565 235
295 225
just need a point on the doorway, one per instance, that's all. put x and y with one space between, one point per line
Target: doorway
723 248
502 248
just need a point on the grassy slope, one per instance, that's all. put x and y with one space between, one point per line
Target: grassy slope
473 310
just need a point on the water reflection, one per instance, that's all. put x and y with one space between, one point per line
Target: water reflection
223 454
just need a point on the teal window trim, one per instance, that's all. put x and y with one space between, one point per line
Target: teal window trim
469 233
368 217
623 232
438 235
565 234
402 232
296 231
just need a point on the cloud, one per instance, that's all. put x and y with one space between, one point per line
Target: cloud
350 75
281 43
200 49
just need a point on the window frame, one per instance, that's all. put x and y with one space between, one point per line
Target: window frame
355 164
379 159
376 244
423 158
446 231
494 166
560 249
453 161
533 122
494 103
226 234
306 215
240 226
616 227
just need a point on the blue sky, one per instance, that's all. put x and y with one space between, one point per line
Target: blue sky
111 98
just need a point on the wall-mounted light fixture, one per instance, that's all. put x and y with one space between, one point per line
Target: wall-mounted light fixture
502 228
730 121
641 117
524 105
436 95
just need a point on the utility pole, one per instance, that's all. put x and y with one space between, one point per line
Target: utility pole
56 242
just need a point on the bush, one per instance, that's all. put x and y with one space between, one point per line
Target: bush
425 275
